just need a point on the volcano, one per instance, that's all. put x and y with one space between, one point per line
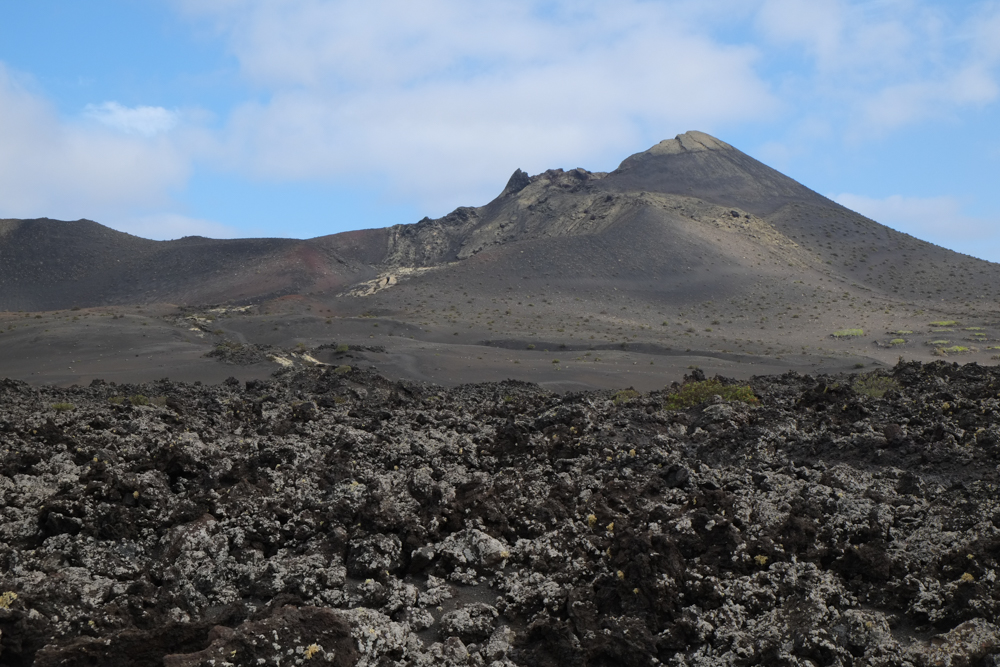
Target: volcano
689 249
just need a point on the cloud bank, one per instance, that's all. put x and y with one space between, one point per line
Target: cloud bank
405 90
63 169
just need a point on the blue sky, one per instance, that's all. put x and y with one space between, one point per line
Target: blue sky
307 117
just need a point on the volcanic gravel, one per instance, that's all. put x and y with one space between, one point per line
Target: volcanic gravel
332 516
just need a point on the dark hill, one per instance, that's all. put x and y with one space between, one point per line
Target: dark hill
49 264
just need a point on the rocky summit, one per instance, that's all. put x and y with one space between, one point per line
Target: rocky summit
331 516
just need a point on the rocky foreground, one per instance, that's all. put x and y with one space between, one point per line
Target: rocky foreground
332 516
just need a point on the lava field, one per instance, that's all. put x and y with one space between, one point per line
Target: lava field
331 516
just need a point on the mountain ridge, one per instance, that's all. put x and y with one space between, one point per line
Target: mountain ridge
691 177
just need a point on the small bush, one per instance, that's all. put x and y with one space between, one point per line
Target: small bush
848 333
343 347
63 407
939 343
874 386
944 323
116 400
956 349
897 341
693 393
624 396
138 400
342 370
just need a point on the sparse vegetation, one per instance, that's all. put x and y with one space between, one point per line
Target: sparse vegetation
944 323
693 393
874 385
624 396
848 333
138 399
63 407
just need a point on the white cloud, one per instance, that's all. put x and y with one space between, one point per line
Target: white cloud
873 68
939 220
51 167
904 104
442 99
141 120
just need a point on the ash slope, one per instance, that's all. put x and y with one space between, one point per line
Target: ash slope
342 516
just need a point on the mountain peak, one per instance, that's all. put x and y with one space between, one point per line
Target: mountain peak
692 142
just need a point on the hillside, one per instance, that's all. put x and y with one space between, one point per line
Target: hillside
690 250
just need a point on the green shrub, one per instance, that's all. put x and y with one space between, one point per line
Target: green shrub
342 370
956 349
63 407
116 400
138 400
873 385
624 396
939 343
944 323
343 347
693 393
897 341
848 333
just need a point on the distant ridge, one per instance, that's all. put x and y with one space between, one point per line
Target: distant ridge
691 216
